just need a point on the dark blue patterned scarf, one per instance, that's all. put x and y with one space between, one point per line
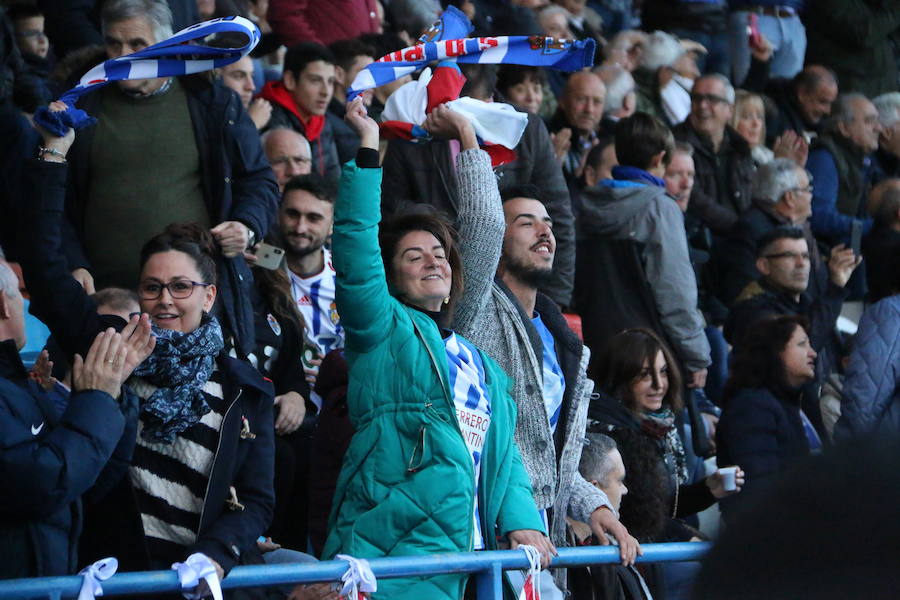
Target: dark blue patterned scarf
180 366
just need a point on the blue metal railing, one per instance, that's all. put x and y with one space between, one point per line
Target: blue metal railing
487 566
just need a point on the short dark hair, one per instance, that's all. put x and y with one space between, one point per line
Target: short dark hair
511 75
17 12
886 213
481 80
756 361
315 184
383 43
782 232
595 154
392 231
640 137
522 190
190 238
346 51
300 55
621 360
813 76
595 461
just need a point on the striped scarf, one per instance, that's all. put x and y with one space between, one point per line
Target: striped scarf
172 57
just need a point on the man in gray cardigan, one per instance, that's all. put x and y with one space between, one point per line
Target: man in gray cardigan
526 334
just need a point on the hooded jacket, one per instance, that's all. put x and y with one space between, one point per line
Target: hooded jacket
633 269
407 483
317 129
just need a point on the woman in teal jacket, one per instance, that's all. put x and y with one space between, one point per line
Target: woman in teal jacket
432 467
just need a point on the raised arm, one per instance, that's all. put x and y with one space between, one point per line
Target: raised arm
361 289
56 297
480 217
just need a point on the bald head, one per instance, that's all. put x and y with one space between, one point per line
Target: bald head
288 153
885 188
816 89
583 100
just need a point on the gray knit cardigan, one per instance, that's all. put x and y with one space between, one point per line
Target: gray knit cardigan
490 319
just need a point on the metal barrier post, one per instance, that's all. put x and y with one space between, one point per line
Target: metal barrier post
490 582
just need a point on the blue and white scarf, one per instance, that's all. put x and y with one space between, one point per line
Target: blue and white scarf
173 57
179 367
447 38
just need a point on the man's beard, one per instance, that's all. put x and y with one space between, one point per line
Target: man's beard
299 252
530 275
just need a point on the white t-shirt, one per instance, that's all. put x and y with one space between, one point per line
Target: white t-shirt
314 296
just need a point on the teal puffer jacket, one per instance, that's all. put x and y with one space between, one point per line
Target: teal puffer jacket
407 482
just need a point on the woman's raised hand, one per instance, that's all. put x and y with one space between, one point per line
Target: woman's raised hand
365 126
139 342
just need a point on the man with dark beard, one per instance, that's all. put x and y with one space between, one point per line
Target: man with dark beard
305 219
507 255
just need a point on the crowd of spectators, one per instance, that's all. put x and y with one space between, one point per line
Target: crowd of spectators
278 334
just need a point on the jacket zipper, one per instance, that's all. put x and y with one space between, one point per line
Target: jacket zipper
215 458
444 386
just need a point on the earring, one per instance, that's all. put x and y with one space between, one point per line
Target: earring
447 300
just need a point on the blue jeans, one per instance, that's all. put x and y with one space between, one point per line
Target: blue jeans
786 34
718 59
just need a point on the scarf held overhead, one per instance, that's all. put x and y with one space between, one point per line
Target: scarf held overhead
173 57
439 43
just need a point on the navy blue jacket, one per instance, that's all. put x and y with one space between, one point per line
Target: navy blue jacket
760 432
238 185
871 400
47 461
241 461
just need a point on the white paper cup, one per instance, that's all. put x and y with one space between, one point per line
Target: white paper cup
728 478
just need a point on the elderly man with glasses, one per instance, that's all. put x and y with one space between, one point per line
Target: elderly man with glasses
782 195
724 167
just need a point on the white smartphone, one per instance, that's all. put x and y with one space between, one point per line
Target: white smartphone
269 257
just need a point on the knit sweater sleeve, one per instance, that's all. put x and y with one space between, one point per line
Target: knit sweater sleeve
481 229
585 499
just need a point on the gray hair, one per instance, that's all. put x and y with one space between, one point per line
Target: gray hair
9 282
157 12
729 89
660 50
595 462
774 179
888 106
619 83
549 11
842 110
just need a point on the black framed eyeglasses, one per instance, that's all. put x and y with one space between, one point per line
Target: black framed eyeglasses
711 98
179 289
790 255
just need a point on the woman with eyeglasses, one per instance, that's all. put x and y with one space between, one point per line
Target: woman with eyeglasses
195 468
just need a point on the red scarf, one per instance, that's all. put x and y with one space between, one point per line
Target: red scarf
276 93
